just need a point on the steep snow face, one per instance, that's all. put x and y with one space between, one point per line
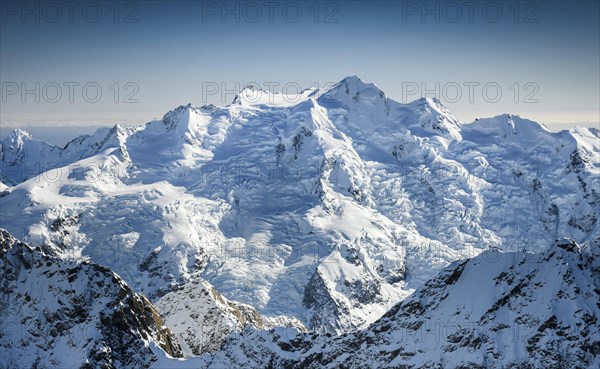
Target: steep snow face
63 314
330 210
497 310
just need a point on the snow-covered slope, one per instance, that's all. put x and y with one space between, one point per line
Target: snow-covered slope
20 155
63 314
497 310
330 209
202 318
23 157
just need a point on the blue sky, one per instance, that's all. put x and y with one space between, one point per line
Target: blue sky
543 57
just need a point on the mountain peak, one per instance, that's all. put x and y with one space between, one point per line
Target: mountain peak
355 83
172 118
17 136
351 90
249 93
352 79
251 87
429 103
508 125
187 124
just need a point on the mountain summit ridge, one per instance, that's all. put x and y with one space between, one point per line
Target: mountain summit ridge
342 202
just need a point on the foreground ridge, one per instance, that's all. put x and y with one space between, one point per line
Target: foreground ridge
64 314
497 310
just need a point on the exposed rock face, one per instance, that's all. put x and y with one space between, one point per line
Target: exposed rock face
63 314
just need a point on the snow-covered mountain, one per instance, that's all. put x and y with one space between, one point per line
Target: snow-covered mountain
64 314
202 318
329 207
23 157
497 310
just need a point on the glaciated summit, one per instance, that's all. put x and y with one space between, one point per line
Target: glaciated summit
330 209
